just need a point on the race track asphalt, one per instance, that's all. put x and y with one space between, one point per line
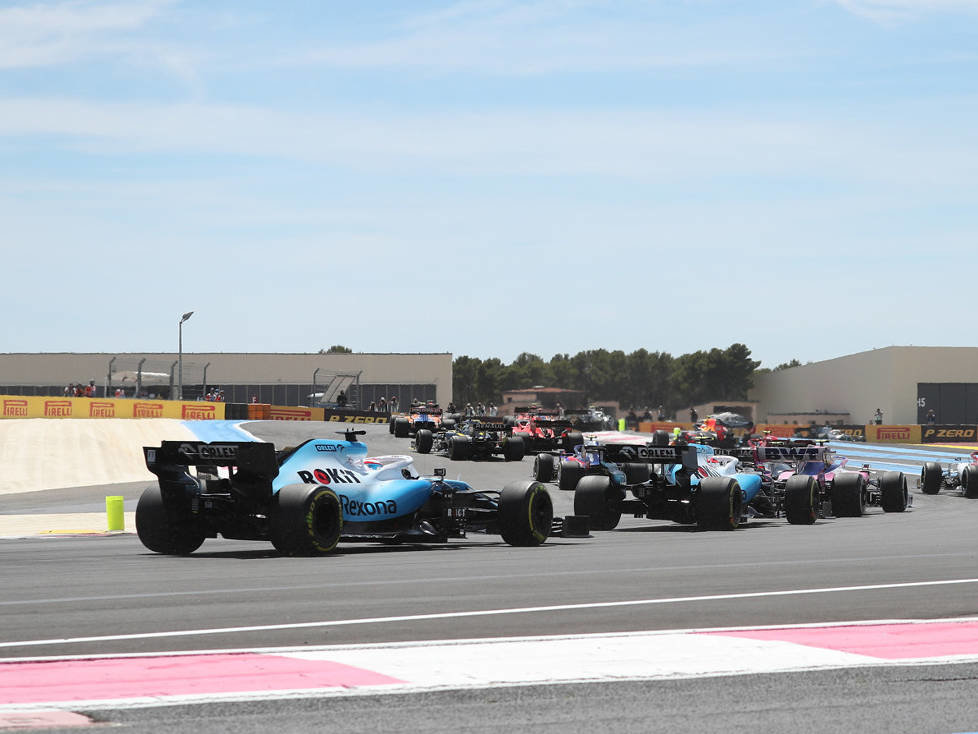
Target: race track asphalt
66 588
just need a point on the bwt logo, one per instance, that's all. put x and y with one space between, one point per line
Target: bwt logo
101 410
147 410
15 408
801 453
57 409
199 412
894 433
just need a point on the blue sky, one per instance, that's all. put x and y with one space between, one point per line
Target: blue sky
489 177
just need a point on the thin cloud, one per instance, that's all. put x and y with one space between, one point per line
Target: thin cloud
888 11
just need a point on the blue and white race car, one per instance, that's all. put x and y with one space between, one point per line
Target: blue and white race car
308 498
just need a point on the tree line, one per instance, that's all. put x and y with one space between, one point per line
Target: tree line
638 379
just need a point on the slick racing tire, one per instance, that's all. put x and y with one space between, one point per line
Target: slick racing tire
660 438
719 504
569 473
423 441
526 513
636 473
801 500
571 439
894 495
305 520
848 495
390 424
544 468
931 477
402 426
459 448
448 423
513 448
596 497
969 481
166 525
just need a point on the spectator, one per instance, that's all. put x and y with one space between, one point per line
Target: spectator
481 409
560 409
373 406
341 399
693 415
381 405
451 407
931 417
647 415
493 410
392 403
660 413
69 390
254 398
878 417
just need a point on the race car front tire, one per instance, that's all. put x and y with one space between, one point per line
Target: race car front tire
969 481
166 525
544 468
305 520
423 441
596 497
526 513
568 475
848 495
513 448
719 504
801 500
894 495
636 473
459 448
931 477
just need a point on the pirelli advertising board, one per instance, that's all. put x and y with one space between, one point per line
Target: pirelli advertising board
20 406
948 434
892 434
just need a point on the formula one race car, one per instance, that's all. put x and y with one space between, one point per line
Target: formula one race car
808 480
544 431
307 498
428 417
477 438
960 472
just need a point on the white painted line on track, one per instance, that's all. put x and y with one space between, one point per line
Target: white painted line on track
482 613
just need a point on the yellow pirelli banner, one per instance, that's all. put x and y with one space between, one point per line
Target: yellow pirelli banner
22 406
289 413
892 434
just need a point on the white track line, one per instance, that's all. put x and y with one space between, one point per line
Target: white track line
481 613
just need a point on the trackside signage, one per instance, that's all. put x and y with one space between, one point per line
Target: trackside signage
355 416
893 434
13 406
948 434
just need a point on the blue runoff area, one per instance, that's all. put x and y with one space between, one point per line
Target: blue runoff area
900 458
219 430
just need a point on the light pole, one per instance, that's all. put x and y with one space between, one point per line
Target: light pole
312 400
180 354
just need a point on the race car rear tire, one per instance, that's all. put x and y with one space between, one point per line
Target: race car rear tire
513 448
544 467
305 520
660 438
571 439
596 497
402 426
719 504
526 513
848 495
459 448
447 423
969 481
801 500
894 495
167 525
931 477
390 424
423 441
636 473
569 474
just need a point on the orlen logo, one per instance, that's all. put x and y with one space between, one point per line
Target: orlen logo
147 410
664 452
57 409
98 409
901 433
289 414
199 412
14 408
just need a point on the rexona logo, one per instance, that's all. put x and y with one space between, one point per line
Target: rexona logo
328 476
949 433
199 412
900 433
57 409
205 451
15 408
353 508
98 409
147 410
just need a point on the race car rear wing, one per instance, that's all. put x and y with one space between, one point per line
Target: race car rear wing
784 453
645 454
255 462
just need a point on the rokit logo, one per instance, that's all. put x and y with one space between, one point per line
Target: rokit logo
203 451
329 476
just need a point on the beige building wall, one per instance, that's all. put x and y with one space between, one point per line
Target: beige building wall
228 367
860 383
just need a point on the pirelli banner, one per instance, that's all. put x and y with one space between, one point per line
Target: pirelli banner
17 406
892 434
948 434
355 416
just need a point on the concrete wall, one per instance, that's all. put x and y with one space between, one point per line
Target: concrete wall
860 383
227 367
